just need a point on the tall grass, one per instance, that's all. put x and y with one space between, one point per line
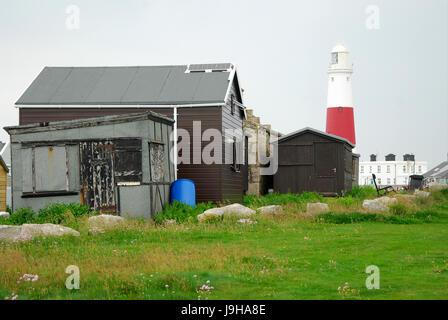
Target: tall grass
282 199
181 212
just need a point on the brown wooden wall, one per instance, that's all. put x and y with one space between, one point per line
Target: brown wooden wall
233 183
3 183
312 162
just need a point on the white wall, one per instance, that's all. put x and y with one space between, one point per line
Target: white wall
390 172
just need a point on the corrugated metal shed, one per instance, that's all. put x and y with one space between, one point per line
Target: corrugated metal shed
125 85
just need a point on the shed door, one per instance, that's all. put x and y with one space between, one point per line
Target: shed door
97 175
325 167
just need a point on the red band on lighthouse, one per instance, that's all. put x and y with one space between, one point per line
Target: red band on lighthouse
341 123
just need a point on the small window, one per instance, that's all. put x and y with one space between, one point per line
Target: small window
334 58
232 104
379 169
404 168
362 169
419 169
388 180
388 169
370 169
235 162
157 161
45 169
379 180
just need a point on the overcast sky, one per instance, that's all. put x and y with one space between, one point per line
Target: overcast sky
281 49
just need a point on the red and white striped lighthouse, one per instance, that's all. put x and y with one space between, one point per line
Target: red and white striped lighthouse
340 118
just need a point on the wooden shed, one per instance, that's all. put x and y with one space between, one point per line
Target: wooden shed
207 95
3 184
312 160
114 164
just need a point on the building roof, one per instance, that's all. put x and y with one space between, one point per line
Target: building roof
437 170
146 85
5 153
90 122
3 164
308 129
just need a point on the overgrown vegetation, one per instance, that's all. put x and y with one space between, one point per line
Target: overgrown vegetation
181 212
57 213
289 256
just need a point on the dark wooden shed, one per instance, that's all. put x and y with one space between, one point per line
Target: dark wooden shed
312 160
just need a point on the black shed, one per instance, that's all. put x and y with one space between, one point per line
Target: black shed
312 160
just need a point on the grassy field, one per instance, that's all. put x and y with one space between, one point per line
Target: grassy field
292 256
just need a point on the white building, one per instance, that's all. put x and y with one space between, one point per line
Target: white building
390 172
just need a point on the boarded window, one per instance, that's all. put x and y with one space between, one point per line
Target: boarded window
157 161
45 169
128 160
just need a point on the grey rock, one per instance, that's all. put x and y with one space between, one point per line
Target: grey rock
317 208
270 210
421 194
9 232
105 221
237 210
374 206
30 231
387 201
233 210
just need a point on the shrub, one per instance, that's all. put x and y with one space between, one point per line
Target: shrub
361 193
181 212
398 209
21 216
57 213
8 209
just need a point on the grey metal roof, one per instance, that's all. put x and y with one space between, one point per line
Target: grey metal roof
125 85
437 170
89 122
308 129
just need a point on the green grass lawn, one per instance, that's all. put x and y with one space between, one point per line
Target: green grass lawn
284 257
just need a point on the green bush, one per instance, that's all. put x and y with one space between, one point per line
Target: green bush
181 212
361 193
56 213
8 209
21 216
398 209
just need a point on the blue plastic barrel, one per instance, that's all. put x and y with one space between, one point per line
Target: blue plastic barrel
183 190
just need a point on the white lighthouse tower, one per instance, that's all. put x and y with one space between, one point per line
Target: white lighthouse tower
340 118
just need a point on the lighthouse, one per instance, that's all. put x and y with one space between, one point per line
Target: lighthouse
340 119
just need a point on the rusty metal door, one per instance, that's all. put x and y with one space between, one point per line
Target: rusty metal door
97 175
325 167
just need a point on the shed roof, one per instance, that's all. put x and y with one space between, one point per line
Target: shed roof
315 131
3 164
437 170
148 85
90 122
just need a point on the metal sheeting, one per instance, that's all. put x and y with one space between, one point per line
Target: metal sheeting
125 85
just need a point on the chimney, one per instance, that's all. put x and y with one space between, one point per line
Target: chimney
373 157
390 157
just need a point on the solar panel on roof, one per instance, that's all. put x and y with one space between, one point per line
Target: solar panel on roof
210 67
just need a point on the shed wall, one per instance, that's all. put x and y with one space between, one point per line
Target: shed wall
144 130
